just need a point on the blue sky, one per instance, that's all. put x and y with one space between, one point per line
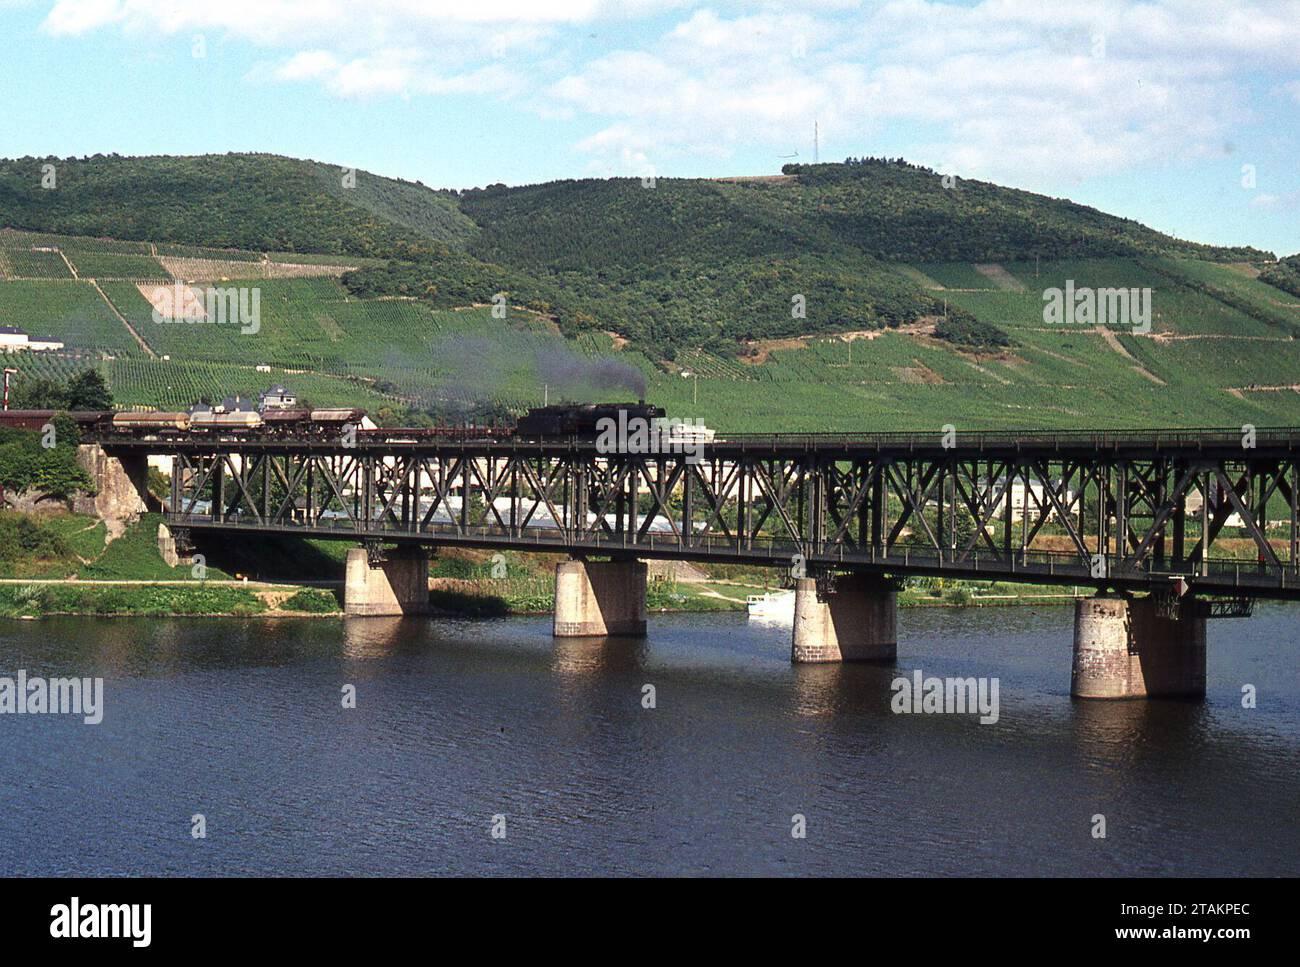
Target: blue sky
1183 115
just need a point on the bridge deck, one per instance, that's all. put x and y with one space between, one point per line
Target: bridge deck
1221 576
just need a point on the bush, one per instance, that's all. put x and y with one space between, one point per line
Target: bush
16 600
313 600
21 538
959 596
27 465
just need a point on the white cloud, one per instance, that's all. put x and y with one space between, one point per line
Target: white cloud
1276 203
1001 89
282 21
307 65
394 72
79 16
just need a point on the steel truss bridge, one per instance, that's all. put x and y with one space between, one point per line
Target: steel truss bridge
1126 510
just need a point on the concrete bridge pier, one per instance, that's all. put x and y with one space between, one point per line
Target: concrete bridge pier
858 621
1130 648
397 585
598 598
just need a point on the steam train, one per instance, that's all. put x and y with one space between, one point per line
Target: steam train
580 419
565 420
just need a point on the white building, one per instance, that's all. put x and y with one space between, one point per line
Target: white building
1028 499
14 340
277 398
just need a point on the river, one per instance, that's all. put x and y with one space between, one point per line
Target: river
463 728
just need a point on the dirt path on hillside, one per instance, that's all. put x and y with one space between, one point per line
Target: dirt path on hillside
1000 277
1113 342
758 179
765 347
121 318
1164 337
1240 391
919 277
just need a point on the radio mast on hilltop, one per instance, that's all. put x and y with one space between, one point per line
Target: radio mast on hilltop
816 140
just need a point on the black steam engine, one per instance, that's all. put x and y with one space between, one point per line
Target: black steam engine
580 419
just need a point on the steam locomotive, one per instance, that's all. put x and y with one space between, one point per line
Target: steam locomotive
580 419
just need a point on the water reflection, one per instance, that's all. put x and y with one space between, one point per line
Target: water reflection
576 659
835 690
1123 734
459 720
378 637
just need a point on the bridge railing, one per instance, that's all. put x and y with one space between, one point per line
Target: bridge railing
1181 439
1153 440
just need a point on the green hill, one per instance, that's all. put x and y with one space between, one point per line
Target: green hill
865 294
243 201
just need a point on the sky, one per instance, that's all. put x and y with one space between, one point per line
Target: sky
1182 114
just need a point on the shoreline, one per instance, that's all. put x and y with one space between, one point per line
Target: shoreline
103 598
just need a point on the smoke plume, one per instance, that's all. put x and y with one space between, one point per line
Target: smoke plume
575 377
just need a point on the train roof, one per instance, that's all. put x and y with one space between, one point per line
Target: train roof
81 416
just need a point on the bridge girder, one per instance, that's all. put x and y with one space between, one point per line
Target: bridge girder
1119 519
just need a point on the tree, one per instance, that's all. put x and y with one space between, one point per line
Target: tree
39 393
88 390
27 465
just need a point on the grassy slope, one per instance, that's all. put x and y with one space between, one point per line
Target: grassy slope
1232 372
134 557
720 256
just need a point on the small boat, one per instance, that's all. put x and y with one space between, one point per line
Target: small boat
772 606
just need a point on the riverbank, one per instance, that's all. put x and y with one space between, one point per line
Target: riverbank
34 598
171 599
64 565
498 597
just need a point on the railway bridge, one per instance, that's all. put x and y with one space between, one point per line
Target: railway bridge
1170 527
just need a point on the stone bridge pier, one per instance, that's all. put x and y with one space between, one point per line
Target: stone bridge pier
396 584
121 483
857 621
599 598
1133 648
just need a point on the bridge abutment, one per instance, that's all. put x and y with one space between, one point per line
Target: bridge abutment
397 585
598 598
121 483
857 621
1129 648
